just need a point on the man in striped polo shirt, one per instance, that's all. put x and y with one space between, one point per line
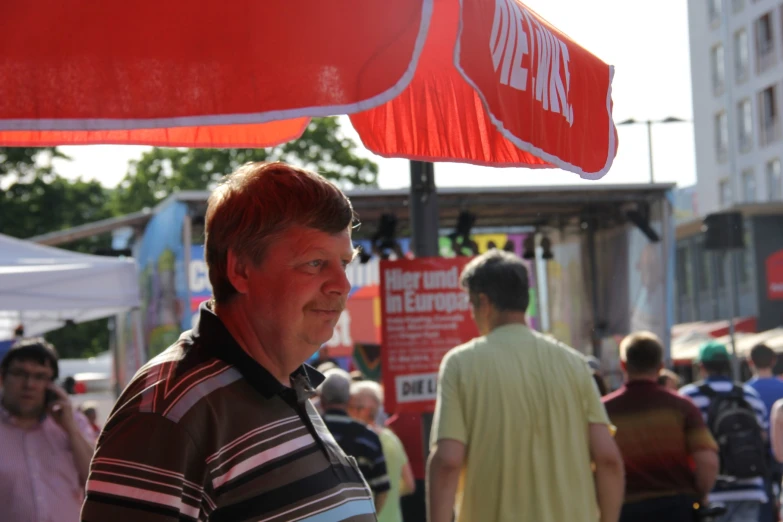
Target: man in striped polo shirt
671 459
743 497
219 427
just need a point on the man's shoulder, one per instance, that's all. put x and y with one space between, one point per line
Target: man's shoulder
691 390
176 380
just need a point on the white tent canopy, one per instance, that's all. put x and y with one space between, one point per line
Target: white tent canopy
42 287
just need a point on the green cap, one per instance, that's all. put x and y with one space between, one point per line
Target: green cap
713 351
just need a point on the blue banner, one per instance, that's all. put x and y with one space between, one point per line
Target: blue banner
163 278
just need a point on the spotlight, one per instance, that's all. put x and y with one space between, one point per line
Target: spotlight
384 238
364 257
529 247
460 238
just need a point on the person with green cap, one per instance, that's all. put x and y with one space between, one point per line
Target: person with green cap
737 418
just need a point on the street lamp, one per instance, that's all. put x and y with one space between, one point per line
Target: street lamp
649 123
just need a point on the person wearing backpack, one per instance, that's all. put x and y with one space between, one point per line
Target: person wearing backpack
737 419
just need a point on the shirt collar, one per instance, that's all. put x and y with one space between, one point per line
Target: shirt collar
215 337
640 382
337 412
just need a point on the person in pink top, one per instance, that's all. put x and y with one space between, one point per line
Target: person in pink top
46 446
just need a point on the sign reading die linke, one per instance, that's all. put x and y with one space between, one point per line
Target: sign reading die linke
424 314
540 90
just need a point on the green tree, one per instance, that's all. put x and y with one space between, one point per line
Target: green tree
162 171
35 200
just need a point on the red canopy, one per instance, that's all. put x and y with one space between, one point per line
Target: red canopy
477 81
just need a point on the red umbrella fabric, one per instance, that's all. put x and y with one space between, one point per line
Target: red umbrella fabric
478 81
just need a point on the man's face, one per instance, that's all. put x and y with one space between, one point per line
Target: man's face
24 388
362 409
298 292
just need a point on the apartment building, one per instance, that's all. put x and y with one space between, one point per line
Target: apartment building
736 51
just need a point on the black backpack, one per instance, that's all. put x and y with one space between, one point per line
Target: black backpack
736 429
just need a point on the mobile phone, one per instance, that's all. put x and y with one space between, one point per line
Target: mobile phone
49 398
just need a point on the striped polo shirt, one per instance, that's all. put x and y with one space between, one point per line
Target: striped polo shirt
751 489
657 432
205 433
360 442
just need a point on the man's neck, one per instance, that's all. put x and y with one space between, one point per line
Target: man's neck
764 373
506 318
651 377
237 322
26 423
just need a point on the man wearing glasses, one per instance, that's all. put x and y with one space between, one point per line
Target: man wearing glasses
46 449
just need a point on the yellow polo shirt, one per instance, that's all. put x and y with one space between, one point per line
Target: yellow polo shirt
521 402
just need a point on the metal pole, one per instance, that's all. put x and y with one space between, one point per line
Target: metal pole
729 106
734 309
114 349
594 287
423 204
650 150
729 102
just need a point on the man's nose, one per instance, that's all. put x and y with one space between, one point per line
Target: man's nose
338 284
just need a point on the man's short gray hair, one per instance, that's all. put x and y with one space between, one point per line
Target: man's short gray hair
501 276
367 389
336 388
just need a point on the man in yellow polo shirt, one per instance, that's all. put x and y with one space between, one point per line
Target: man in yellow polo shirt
519 432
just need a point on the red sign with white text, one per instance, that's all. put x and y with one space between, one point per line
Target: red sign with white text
775 276
424 314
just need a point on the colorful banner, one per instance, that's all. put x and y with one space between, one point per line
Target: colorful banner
424 314
163 278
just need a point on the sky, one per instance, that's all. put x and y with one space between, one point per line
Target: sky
646 42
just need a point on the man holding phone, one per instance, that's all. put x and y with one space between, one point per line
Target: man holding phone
46 448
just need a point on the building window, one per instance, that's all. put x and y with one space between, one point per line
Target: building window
715 10
774 189
765 43
745 111
721 136
718 69
741 55
748 186
724 193
737 5
769 121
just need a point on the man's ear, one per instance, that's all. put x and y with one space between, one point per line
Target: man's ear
237 272
623 365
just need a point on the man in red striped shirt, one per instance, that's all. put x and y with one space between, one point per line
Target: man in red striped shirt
670 458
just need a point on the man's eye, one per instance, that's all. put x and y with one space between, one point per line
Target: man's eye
315 264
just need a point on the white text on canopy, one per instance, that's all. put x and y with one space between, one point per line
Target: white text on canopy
509 44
